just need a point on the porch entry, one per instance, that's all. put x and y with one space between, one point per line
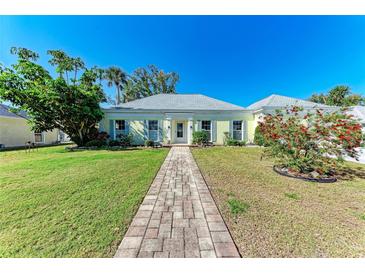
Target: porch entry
180 132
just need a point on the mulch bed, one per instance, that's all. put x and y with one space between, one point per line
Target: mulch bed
305 177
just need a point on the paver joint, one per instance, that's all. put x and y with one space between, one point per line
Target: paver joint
178 217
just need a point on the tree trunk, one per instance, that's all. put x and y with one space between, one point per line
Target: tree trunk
118 95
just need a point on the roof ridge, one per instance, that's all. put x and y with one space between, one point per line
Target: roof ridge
271 98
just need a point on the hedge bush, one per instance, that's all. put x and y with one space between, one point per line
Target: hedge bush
95 143
200 137
259 138
149 143
232 142
126 140
114 143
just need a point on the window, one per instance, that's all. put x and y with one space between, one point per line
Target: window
180 130
207 126
153 130
120 124
237 130
152 125
38 137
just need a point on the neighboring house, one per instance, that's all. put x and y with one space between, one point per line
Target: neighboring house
270 104
172 119
359 113
274 102
15 131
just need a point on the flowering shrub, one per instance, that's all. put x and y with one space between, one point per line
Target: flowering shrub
311 143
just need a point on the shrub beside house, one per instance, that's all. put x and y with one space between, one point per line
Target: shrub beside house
313 145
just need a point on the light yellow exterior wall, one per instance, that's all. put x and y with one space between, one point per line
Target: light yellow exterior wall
136 128
222 127
222 123
251 126
16 132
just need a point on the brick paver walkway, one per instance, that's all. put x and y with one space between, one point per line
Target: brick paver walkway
178 217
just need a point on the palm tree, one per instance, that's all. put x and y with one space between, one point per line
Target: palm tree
117 77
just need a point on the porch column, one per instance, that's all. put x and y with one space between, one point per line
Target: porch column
190 131
169 130
112 129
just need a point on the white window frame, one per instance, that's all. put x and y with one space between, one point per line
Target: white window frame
43 137
210 131
241 130
116 124
152 130
118 131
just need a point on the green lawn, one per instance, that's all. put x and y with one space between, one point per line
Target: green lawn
55 203
274 216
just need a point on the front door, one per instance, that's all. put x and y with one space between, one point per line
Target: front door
180 132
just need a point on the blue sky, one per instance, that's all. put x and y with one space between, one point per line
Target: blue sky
239 59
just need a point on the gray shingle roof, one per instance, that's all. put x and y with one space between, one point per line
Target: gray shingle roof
279 101
179 102
5 111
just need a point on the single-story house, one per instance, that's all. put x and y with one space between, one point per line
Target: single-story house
15 131
172 119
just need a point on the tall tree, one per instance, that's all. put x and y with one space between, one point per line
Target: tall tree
338 96
116 77
54 102
149 81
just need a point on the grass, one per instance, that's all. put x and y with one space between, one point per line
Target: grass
293 196
55 203
237 207
286 217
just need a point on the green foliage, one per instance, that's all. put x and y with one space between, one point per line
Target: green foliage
95 143
125 140
149 143
200 138
338 96
115 77
113 143
259 138
315 143
293 196
24 54
229 141
233 142
237 207
149 81
72 106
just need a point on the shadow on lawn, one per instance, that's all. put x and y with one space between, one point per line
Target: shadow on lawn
351 173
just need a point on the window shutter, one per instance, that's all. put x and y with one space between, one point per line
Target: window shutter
111 129
127 127
145 129
230 128
199 125
244 133
160 137
214 131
